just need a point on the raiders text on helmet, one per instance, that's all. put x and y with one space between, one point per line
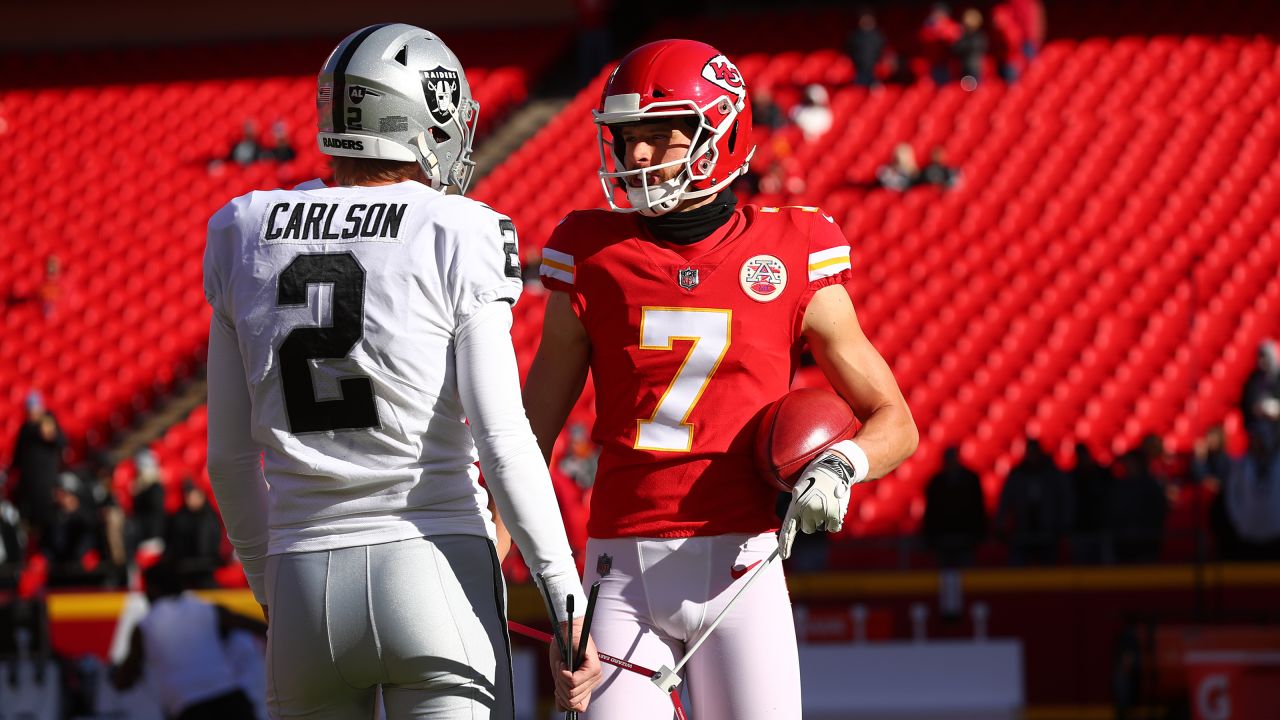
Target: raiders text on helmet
396 92
676 78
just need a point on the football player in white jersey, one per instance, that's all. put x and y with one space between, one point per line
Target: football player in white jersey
356 330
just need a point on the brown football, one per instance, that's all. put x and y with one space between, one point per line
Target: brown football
796 428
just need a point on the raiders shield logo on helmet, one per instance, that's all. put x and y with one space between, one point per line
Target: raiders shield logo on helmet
444 92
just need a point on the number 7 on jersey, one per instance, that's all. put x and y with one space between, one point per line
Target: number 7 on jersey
709 330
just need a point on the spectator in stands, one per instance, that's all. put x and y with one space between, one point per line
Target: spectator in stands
247 150
1136 509
37 457
813 114
180 646
193 537
955 515
51 287
780 177
1260 403
1036 508
1208 472
937 172
865 46
1210 462
777 181
1091 483
1251 506
938 34
902 172
148 499
1030 18
97 494
1160 464
72 534
281 149
1006 41
970 48
12 545
765 113
581 458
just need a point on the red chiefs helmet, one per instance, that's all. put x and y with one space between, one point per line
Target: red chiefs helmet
676 78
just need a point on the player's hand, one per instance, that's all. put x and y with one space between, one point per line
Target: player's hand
819 500
573 689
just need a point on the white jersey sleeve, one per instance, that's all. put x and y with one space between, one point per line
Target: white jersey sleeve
489 382
485 265
235 460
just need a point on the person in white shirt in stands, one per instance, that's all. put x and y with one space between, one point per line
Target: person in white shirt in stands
813 114
356 331
180 644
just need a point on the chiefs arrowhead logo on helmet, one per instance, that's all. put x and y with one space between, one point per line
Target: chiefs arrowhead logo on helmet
724 73
667 79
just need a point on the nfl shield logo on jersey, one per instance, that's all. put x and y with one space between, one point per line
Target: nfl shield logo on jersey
604 564
763 278
688 278
443 93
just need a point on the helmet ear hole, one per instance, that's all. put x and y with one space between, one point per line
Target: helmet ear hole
402 57
733 136
439 135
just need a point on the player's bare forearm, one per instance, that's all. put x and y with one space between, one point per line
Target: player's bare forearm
859 373
558 372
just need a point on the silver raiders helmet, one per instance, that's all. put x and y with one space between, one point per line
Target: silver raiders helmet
397 92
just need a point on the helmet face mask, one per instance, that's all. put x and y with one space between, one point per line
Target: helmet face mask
652 199
396 92
674 79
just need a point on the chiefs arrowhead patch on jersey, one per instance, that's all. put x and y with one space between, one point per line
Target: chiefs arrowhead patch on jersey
763 278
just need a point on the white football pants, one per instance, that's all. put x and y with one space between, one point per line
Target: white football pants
424 618
657 596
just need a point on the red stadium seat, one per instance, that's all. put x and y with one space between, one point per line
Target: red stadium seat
1104 269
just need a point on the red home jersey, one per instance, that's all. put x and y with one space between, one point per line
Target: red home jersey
688 343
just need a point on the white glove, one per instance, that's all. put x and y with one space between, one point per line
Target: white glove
820 499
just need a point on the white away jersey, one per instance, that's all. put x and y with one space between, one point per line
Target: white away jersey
344 303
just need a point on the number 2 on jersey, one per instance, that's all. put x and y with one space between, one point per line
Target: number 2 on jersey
669 430
356 408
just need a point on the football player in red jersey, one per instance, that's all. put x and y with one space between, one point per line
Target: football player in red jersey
690 312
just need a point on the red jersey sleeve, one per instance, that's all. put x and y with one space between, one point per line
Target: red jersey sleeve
829 258
557 270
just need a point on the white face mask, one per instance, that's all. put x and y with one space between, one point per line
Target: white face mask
654 200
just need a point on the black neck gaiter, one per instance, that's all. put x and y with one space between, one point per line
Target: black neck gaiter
686 228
